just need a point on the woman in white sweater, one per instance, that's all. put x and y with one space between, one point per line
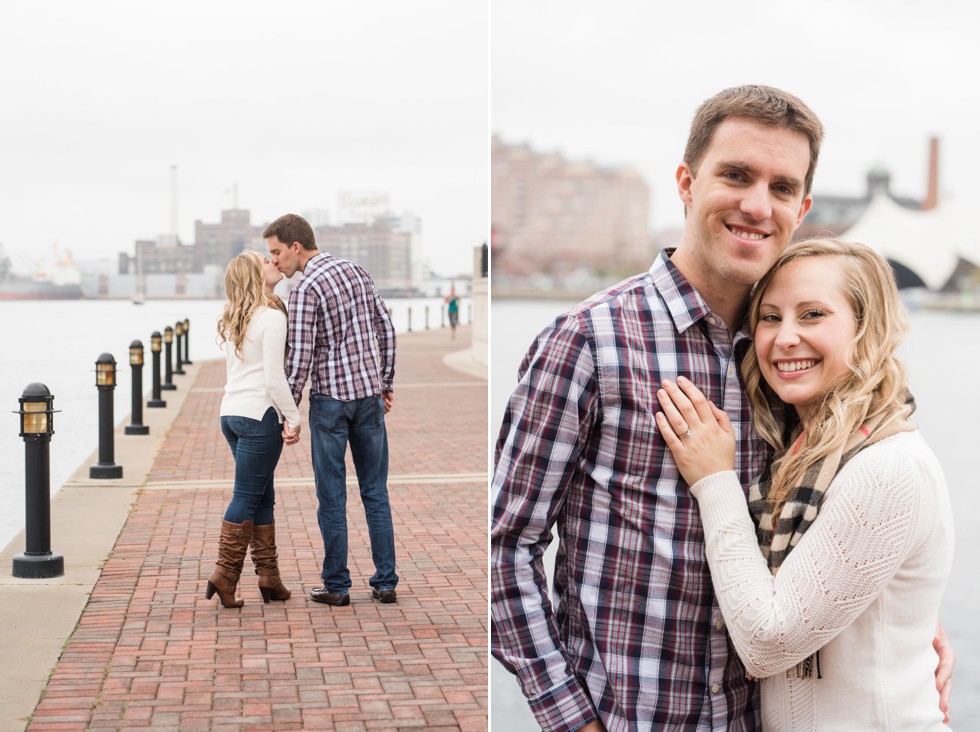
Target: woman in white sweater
837 612
252 331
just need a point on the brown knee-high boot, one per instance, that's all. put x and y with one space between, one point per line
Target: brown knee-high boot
267 563
232 546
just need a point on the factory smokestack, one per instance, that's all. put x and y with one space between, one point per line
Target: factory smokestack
173 205
932 182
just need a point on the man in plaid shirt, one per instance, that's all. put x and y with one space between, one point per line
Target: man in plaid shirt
339 327
636 640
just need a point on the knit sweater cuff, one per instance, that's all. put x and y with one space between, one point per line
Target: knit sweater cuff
720 499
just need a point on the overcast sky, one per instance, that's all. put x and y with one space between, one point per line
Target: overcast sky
295 102
618 82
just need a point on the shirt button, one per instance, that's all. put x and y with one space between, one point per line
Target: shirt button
711 321
731 370
715 688
719 624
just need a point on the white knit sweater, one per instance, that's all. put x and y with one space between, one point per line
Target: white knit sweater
257 380
863 586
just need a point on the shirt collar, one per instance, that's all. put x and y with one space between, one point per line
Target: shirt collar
313 259
683 302
680 298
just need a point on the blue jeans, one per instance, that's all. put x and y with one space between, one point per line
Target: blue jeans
256 446
333 424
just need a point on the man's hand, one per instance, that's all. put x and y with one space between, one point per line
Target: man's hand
594 726
944 671
389 397
290 436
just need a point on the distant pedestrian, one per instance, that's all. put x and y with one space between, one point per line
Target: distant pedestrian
453 308
257 399
339 327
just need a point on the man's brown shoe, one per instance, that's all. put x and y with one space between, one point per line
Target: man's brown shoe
385 596
320 594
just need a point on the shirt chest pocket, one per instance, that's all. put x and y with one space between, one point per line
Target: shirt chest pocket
631 446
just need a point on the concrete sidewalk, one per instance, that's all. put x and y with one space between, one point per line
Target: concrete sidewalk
144 649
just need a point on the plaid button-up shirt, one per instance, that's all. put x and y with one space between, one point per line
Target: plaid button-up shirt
339 325
636 637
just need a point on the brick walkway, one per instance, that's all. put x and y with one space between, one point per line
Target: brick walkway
150 652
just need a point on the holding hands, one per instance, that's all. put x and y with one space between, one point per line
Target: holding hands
699 435
290 435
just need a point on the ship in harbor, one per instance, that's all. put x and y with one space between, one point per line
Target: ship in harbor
57 281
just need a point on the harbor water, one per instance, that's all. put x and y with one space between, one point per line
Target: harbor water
57 343
942 356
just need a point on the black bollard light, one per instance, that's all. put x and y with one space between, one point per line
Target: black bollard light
168 367
187 341
156 343
136 427
409 319
426 317
36 427
179 334
105 381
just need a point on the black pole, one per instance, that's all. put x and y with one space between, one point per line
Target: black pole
37 476
156 402
37 561
168 339
409 319
179 332
187 341
105 381
136 427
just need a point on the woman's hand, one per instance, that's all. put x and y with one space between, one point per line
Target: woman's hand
699 435
290 435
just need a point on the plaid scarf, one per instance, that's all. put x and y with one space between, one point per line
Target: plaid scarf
803 502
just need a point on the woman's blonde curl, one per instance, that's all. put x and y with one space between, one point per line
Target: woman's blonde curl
245 289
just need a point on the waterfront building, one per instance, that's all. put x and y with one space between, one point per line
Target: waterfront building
381 247
214 246
833 214
387 245
555 216
217 244
930 243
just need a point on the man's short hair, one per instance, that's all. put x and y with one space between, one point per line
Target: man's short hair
763 104
290 228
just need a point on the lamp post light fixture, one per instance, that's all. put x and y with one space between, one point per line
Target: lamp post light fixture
105 381
36 427
168 368
156 343
36 413
136 427
187 341
179 333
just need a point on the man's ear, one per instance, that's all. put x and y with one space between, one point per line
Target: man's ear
685 178
804 209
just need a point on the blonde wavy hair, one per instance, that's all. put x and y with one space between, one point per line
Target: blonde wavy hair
875 384
245 288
